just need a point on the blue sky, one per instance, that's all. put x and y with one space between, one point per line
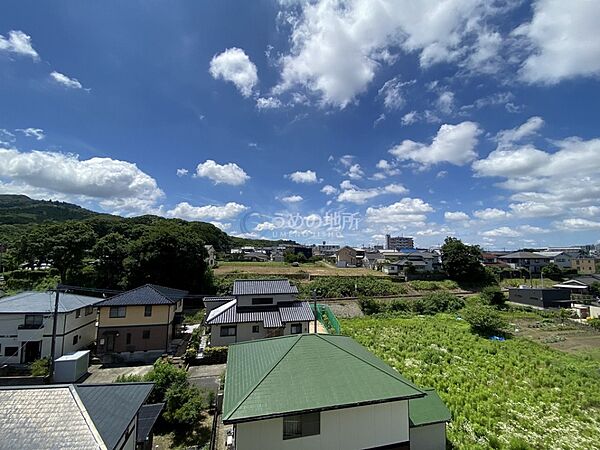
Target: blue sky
324 120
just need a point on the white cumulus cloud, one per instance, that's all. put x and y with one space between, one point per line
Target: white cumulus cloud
229 173
563 37
18 42
217 212
456 216
235 66
308 177
64 80
406 210
454 144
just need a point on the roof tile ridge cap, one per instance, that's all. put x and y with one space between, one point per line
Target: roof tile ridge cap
152 286
263 377
87 418
369 363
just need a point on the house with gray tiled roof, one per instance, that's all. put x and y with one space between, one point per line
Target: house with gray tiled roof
138 324
257 309
26 325
80 416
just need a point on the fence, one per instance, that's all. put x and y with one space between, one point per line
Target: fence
327 318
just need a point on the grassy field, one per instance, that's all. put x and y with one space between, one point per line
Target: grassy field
516 394
536 282
283 269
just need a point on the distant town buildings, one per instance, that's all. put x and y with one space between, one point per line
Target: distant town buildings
398 242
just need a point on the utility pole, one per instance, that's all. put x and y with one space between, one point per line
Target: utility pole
314 294
53 348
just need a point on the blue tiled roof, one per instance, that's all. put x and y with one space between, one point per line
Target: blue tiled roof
112 406
148 294
263 287
43 302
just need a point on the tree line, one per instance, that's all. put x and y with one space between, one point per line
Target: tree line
117 253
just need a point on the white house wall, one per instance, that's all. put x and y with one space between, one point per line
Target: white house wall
244 333
67 324
343 429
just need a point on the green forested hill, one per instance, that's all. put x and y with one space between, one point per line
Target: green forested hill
20 209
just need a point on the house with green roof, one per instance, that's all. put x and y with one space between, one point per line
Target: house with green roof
315 391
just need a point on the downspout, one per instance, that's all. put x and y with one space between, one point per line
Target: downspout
168 321
62 351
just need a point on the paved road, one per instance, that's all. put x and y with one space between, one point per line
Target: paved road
206 377
99 374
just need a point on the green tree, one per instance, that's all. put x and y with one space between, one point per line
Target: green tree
110 251
170 255
64 245
552 271
164 375
484 319
461 261
493 296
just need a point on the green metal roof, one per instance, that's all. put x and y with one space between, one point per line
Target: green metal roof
427 410
306 372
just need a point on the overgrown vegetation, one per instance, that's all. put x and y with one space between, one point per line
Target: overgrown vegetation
185 405
40 367
514 394
483 319
432 303
333 287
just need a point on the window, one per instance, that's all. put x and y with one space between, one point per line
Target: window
128 339
78 313
147 310
117 311
296 328
33 320
75 339
262 301
228 331
301 425
11 351
146 334
89 310
255 328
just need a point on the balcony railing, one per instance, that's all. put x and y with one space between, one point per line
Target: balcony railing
31 326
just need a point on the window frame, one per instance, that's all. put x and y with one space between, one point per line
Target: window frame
295 325
301 425
38 322
128 339
78 313
75 339
148 308
89 310
228 327
117 310
262 301
255 329
15 351
146 334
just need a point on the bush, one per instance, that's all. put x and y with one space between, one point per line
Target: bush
335 287
40 367
438 302
493 296
184 404
484 319
369 306
131 378
164 375
594 323
215 355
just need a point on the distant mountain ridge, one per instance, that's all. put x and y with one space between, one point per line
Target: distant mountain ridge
19 212
20 209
